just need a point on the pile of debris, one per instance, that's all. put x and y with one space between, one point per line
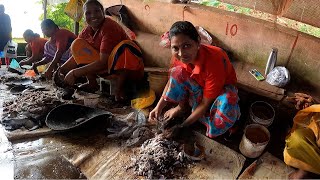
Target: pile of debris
301 100
31 105
158 158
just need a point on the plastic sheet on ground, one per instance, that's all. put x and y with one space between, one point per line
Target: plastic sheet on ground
111 160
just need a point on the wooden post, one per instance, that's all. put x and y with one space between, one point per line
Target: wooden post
76 28
45 3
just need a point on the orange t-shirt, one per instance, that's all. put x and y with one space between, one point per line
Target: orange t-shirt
106 38
37 46
212 70
63 39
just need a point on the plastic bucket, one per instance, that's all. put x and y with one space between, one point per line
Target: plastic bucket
91 100
254 140
262 113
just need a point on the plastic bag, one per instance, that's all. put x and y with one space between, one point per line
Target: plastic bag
279 76
14 64
165 41
121 12
15 67
144 101
10 50
29 73
1 54
205 37
41 68
74 9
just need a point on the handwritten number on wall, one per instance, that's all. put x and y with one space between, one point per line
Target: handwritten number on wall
233 29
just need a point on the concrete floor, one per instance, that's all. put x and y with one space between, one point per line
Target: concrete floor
40 158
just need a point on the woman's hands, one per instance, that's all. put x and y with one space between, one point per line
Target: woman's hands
155 114
171 113
49 72
70 78
22 63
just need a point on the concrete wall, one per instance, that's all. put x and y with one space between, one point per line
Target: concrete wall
246 38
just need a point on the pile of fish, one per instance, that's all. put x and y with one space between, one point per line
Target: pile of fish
28 109
134 129
158 158
6 77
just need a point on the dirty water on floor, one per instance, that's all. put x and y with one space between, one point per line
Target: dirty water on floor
36 158
43 159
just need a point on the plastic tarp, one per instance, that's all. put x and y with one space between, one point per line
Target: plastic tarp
110 160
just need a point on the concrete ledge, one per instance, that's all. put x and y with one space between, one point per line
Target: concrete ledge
157 59
247 82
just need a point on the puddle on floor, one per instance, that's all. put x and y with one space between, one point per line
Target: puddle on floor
46 167
37 159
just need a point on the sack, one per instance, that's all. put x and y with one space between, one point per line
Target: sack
121 12
10 50
74 9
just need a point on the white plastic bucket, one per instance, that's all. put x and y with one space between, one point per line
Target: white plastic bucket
91 100
262 113
254 140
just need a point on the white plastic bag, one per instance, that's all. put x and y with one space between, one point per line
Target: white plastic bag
278 76
10 50
205 36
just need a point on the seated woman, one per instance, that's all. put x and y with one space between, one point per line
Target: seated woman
34 48
57 49
104 49
302 148
203 76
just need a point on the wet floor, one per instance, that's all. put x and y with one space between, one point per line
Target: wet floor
6 157
44 158
39 158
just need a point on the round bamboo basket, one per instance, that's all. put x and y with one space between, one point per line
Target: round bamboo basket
157 81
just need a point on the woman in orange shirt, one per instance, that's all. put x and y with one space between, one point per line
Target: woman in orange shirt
203 76
36 45
57 48
103 49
